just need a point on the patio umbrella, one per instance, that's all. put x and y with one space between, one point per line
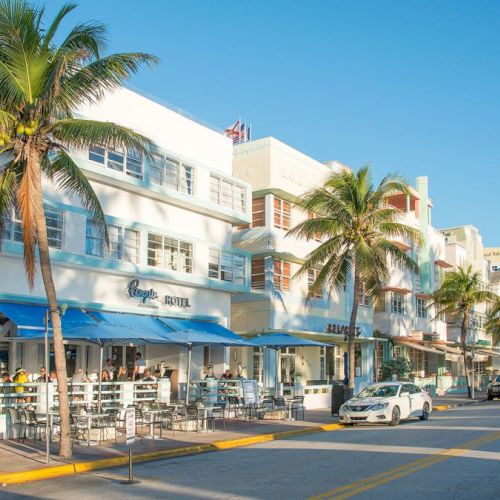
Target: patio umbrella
192 338
278 340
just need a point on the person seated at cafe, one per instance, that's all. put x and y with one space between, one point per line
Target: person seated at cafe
111 369
79 376
122 375
43 374
105 377
148 376
53 376
227 375
7 390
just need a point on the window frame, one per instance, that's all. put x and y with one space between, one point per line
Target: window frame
312 275
397 307
281 280
127 160
166 241
420 308
218 271
259 211
218 194
281 220
181 185
258 279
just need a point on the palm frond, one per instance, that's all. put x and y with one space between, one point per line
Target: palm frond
54 25
68 177
80 133
8 185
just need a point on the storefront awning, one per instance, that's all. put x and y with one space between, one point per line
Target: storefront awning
488 353
420 347
210 327
30 317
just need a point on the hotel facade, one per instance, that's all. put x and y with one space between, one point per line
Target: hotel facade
170 223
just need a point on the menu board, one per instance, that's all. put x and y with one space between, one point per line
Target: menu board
250 392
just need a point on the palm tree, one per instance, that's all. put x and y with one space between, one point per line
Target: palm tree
457 296
358 227
493 320
41 86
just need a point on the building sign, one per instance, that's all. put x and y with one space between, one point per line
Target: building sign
129 426
341 329
134 291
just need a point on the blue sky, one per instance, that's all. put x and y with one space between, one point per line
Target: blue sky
413 87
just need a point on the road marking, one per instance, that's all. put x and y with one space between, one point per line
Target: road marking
371 482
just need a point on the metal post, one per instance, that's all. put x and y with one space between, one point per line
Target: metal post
190 347
47 423
473 371
101 355
276 380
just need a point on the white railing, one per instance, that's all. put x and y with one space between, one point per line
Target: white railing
113 394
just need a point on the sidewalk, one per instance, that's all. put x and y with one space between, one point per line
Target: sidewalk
19 457
458 399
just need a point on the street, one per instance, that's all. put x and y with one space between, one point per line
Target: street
455 454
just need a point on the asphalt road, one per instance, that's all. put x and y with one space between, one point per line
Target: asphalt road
456 454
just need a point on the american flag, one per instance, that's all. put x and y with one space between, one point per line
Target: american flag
239 131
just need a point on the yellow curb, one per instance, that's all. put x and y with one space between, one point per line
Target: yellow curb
104 463
442 407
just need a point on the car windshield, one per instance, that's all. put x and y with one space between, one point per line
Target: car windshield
379 391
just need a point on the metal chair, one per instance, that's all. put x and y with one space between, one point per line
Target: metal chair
279 406
191 414
14 424
298 407
32 423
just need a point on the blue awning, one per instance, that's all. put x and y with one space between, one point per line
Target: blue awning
30 317
147 326
278 340
200 326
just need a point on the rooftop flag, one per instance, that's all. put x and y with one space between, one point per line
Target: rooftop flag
239 132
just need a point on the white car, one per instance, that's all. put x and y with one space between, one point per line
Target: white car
386 402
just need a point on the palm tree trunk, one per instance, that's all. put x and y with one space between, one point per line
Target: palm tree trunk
463 338
352 336
65 450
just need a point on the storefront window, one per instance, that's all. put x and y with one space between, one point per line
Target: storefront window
287 364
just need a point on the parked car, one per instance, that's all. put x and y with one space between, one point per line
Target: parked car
494 388
386 402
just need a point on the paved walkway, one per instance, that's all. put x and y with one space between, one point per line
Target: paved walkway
17 456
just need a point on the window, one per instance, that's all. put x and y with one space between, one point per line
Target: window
169 253
172 174
380 302
226 266
421 308
258 212
358 364
282 275
363 297
419 361
312 215
258 274
287 364
312 275
396 264
123 243
257 364
128 162
54 219
281 214
322 363
397 303
13 229
227 193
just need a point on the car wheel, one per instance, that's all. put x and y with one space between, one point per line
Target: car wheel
396 416
490 397
425 412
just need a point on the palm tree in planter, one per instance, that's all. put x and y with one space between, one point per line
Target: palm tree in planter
358 228
456 298
41 86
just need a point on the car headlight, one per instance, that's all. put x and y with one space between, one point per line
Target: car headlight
343 407
379 406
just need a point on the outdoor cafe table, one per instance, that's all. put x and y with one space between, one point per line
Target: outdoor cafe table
205 411
150 418
89 417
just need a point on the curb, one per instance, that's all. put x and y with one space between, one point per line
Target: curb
105 463
457 405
